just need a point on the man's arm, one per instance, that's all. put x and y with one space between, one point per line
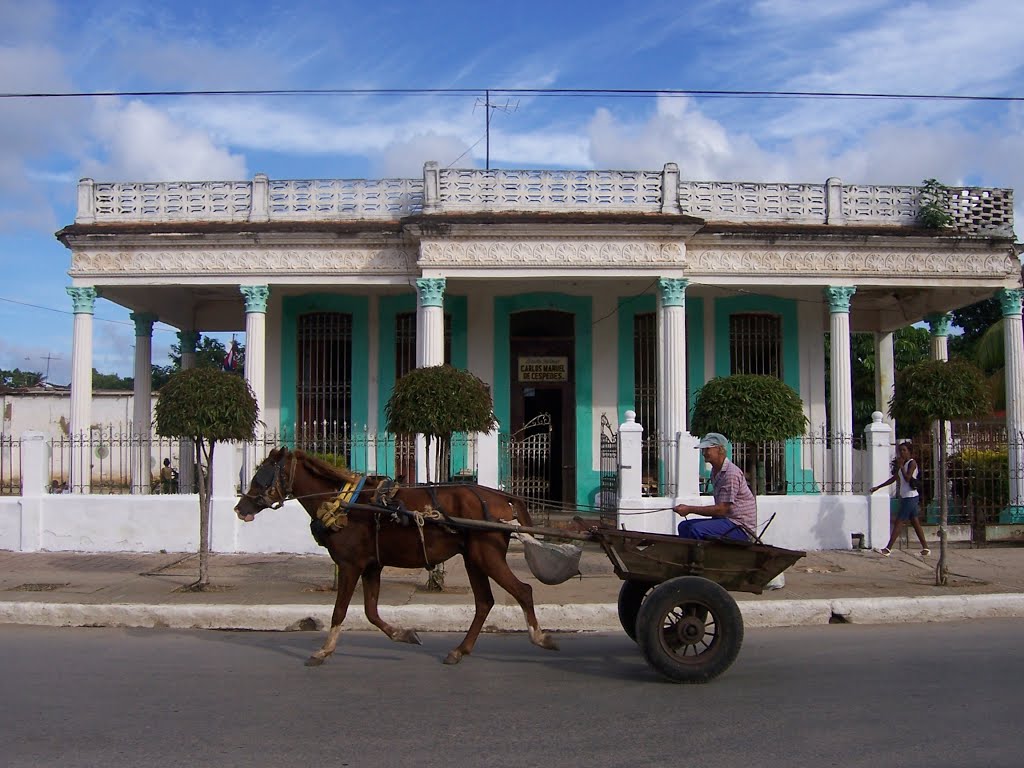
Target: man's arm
721 509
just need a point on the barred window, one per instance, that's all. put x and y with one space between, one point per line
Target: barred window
645 370
755 344
405 342
324 386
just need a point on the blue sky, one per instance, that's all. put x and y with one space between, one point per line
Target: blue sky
958 47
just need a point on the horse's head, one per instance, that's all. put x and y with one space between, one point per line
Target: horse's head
270 486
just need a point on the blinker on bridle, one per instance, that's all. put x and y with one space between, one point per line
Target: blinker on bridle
267 479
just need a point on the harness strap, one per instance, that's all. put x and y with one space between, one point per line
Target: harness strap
334 512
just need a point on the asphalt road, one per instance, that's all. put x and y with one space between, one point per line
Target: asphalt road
841 695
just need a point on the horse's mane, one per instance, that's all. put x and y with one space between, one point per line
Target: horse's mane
323 470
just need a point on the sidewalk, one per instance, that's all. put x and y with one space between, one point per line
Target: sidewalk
289 592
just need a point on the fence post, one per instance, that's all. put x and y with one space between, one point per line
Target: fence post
487 458
879 462
35 474
688 463
631 438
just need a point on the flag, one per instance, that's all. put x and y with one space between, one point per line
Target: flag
231 358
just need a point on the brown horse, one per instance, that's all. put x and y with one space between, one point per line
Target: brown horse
370 540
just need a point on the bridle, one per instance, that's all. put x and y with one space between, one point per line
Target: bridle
272 484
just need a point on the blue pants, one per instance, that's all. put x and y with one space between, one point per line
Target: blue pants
718 526
909 506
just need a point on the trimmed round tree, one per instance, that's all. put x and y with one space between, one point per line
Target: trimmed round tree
206 406
749 408
940 391
438 401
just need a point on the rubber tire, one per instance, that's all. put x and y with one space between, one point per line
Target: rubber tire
631 597
711 605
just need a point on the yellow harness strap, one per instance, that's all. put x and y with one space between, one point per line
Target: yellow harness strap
334 513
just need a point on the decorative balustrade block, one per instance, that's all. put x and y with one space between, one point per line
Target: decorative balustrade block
355 199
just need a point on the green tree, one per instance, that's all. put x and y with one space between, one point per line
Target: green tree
206 406
111 381
749 409
940 391
438 401
20 378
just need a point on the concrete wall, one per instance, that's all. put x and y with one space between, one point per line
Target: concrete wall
49 411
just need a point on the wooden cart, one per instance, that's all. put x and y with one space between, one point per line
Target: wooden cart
674 600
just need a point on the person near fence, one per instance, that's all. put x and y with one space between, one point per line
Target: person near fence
907 473
734 513
168 478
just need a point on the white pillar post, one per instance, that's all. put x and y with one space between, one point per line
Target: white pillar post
938 325
879 461
1013 342
842 387
885 376
35 480
672 354
141 432
256 297
187 342
631 439
429 344
83 299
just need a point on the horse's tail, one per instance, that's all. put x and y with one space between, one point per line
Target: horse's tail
520 509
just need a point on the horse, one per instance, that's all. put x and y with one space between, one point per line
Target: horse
370 540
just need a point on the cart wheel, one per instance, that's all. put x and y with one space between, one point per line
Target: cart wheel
631 595
689 629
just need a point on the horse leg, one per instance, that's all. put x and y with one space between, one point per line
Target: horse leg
493 563
484 599
347 577
371 593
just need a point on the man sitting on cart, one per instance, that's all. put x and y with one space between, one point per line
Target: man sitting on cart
734 513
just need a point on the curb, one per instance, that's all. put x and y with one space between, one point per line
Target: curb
584 617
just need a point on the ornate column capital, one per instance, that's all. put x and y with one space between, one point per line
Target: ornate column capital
83 299
1010 301
672 291
188 341
431 291
939 323
255 297
839 298
143 323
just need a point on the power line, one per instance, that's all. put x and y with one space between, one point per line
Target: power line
542 92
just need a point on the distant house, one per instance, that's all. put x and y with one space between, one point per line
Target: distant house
576 295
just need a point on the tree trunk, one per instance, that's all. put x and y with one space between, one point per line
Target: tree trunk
941 569
205 489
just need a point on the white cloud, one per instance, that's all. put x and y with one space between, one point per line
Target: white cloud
142 143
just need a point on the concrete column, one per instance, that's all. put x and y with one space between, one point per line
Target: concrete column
1013 343
877 470
255 362
187 342
939 325
885 376
430 321
429 344
142 402
83 300
842 387
672 351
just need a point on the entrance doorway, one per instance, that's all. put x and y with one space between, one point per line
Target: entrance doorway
542 382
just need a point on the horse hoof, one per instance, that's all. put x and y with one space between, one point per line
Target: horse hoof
550 644
453 657
407 636
315 661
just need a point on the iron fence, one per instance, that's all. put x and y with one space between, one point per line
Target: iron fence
658 463
10 465
115 460
984 475
608 490
800 465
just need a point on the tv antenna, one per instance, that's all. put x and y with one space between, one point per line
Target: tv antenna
508 106
49 356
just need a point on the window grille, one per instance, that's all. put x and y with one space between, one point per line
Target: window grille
755 347
645 393
755 344
324 386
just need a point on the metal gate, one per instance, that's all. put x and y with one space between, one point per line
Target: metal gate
608 496
526 463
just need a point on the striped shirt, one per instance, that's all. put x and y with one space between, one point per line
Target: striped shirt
730 486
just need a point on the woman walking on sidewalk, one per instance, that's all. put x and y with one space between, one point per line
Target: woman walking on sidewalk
907 473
